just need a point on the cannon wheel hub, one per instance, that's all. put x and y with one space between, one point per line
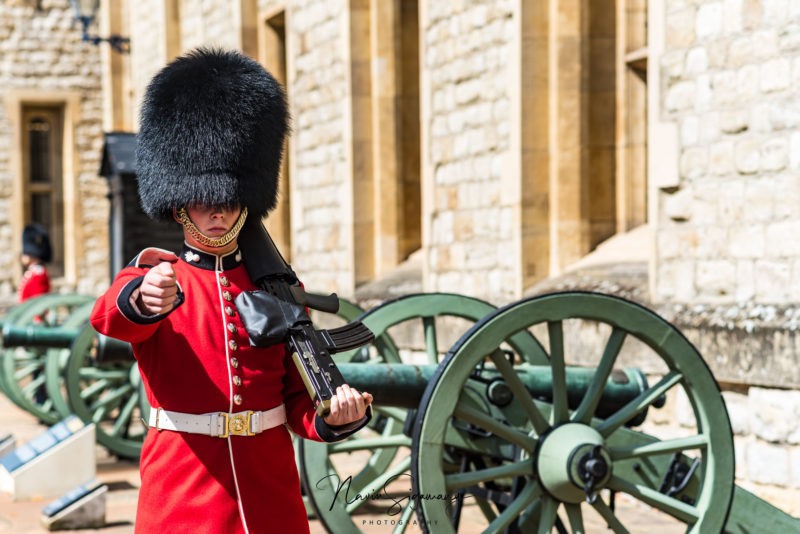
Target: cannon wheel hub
572 462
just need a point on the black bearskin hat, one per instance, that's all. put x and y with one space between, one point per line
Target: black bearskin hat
212 128
36 242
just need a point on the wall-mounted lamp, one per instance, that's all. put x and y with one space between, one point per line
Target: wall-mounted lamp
85 11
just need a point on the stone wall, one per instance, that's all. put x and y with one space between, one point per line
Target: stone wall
728 232
319 85
42 53
467 46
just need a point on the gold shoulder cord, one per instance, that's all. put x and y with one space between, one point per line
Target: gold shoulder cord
214 242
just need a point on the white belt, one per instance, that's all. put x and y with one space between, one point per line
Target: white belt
218 424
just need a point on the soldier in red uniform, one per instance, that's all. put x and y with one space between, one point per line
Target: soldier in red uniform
218 457
36 251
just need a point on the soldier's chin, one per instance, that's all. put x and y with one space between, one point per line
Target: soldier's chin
215 233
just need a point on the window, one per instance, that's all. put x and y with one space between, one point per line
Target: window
42 164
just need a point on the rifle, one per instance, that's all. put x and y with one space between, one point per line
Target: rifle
276 313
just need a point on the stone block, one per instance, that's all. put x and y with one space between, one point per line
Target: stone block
747 157
726 86
775 75
690 130
775 12
794 290
694 162
709 127
668 245
772 280
721 158
684 414
774 414
734 121
731 16
696 60
708 23
765 43
768 464
710 242
681 96
760 195
747 85
789 39
747 241
775 154
740 456
715 279
783 242
738 408
672 63
678 206
745 281
705 96
675 280
794 465
794 150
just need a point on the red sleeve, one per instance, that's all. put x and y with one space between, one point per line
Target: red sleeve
114 316
37 284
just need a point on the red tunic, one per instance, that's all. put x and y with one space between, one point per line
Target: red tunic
189 360
34 282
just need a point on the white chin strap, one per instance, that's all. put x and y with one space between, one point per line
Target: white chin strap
214 242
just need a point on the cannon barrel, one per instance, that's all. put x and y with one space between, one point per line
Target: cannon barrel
402 385
38 336
107 349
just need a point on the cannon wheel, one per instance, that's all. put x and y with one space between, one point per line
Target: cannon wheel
24 370
320 476
552 442
107 395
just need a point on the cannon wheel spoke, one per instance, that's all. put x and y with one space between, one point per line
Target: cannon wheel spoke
590 401
521 393
699 441
530 493
638 461
635 406
560 411
575 518
611 520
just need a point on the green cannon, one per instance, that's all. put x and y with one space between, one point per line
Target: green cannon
107 349
562 461
402 385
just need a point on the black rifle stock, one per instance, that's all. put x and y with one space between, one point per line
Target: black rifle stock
277 314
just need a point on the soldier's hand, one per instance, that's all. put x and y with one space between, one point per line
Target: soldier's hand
347 406
159 289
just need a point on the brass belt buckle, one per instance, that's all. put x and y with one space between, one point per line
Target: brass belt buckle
237 424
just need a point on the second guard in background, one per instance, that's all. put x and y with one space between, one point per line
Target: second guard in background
36 251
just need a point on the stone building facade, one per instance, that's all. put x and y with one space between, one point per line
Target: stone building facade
51 122
488 145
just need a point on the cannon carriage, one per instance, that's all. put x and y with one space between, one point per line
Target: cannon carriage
518 426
